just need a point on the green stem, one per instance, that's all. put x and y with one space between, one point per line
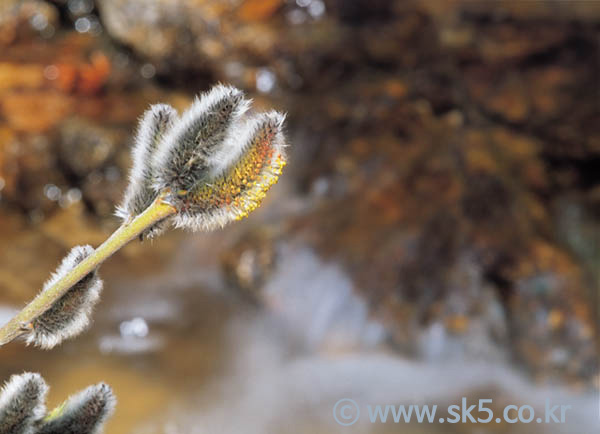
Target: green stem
21 323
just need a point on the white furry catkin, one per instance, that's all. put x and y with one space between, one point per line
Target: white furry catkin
213 165
22 404
83 413
187 150
70 314
155 122
249 164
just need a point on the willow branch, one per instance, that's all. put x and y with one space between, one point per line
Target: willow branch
21 323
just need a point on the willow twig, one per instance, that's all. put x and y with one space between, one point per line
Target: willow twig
21 323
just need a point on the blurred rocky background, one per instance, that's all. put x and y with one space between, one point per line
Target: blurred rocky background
441 204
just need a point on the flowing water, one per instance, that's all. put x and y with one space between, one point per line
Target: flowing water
187 354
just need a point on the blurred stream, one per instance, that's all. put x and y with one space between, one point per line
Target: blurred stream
185 354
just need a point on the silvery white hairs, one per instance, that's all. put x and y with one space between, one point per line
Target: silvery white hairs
158 119
23 409
214 164
247 166
188 149
71 313
22 404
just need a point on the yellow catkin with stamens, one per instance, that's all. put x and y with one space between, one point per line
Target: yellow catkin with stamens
241 188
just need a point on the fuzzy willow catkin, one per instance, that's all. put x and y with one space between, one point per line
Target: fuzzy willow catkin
71 313
155 122
23 409
22 404
189 147
83 413
214 164
230 192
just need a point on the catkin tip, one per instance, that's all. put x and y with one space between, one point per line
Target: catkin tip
83 413
189 149
236 187
154 124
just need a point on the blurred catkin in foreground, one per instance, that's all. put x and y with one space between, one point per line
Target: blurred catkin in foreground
22 404
83 413
23 410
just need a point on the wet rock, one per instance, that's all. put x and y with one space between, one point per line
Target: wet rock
167 30
36 111
21 19
72 226
48 156
8 168
250 262
552 322
257 10
234 41
431 219
102 189
85 77
543 9
27 165
85 147
24 270
21 76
